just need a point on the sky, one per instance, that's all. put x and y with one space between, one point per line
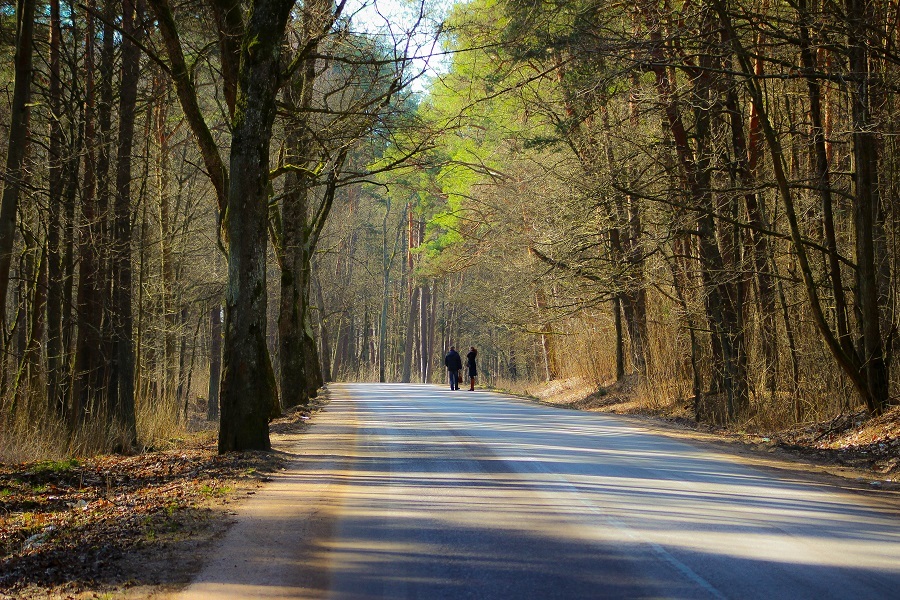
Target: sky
406 24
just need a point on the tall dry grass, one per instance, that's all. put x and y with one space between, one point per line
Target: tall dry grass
585 351
31 434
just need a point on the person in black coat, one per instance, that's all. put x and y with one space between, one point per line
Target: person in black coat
470 363
454 365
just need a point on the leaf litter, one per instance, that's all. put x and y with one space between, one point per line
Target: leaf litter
105 524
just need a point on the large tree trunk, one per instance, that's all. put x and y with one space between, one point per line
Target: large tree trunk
300 370
88 383
18 142
248 393
866 206
121 409
293 347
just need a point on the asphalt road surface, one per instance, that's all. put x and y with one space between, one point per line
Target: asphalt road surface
413 491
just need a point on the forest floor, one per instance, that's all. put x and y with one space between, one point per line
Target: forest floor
864 450
125 526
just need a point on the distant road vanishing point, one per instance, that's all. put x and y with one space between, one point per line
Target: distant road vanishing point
414 491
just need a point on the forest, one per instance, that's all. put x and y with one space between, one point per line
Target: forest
212 208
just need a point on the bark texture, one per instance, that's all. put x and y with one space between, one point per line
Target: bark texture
248 393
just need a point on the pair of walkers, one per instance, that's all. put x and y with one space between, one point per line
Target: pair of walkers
454 365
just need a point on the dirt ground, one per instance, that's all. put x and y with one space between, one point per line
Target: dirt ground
138 526
125 526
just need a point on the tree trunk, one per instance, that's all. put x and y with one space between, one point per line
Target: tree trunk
190 372
722 312
103 239
180 393
746 158
215 362
18 141
382 324
866 206
410 343
424 332
248 394
300 371
323 335
633 295
432 329
413 316
28 381
620 342
848 361
121 409
167 294
72 182
822 180
548 353
680 283
88 383
56 278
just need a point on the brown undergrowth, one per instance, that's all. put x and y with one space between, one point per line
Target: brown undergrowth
107 525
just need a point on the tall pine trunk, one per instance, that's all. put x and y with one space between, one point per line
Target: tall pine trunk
121 408
17 143
55 278
88 381
866 206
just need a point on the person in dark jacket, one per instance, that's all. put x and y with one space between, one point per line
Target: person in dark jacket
470 363
454 365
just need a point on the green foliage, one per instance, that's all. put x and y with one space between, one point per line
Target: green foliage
215 492
56 466
479 117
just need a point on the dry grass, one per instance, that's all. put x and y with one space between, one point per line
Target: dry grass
35 437
23 440
517 387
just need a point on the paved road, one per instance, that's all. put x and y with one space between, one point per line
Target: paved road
406 491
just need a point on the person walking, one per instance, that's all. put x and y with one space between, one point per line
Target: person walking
453 363
470 363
